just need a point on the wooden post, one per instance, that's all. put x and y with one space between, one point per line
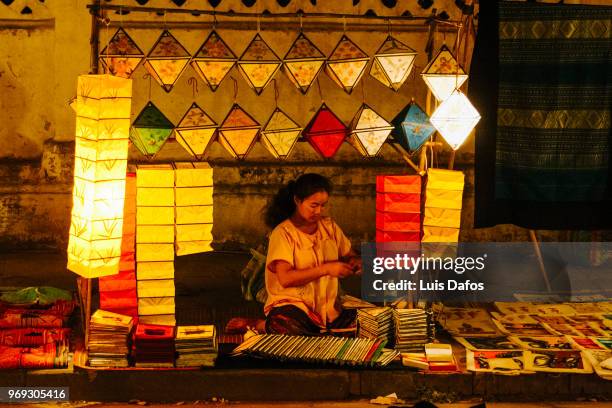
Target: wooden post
536 247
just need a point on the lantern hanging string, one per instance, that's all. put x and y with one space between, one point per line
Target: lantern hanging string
235 88
148 76
301 23
276 94
194 86
319 88
214 23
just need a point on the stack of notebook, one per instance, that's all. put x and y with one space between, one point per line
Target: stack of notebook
108 339
410 329
196 346
153 346
375 323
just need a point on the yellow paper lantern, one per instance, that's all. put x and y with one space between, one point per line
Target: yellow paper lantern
103 108
455 118
392 63
167 60
195 131
213 60
303 63
346 64
121 56
238 132
369 131
443 74
258 64
280 134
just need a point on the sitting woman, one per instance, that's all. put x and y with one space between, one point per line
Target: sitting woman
307 254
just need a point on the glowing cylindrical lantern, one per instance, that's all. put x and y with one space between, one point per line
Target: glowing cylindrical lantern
443 74
213 60
303 63
392 63
325 132
280 134
398 208
258 64
238 132
412 127
346 64
195 131
443 202
369 131
455 118
101 150
121 56
167 60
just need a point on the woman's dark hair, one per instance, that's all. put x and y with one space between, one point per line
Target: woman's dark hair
283 206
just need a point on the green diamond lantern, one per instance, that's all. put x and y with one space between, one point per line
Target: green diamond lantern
150 130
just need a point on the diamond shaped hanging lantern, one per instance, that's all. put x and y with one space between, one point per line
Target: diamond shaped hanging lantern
443 74
121 55
392 63
303 63
412 127
455 118
150 130
369 131
195 131
238 132
346 64
325 132
213 60
167 60
258 64
280 134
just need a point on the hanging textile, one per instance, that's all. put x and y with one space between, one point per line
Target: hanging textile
194 207
398 208
541 81
118 292
155 243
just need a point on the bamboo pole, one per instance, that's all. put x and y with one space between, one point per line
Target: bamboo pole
536 247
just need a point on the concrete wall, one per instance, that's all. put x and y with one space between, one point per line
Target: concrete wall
42 53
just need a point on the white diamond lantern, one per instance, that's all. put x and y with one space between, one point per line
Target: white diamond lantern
443 74
455 118
392 63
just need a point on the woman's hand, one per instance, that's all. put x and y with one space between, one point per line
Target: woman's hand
338 269
356 264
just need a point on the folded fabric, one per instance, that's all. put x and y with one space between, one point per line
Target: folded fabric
155 197
154 252
155 270
397 202
200 214
156 306
398 184
156 288
33 337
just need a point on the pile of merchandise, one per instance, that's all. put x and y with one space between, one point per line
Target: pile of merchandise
525 337
411 329
108 339
375 323
34 329
153 345
196 346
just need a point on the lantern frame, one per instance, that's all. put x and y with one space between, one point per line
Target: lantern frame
242 62
400 135
334 76
135 136
105 55
459 75
356 141
308 134
226 143
153 72
287 60
456 97
271 146
179 136
197 59
410 52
